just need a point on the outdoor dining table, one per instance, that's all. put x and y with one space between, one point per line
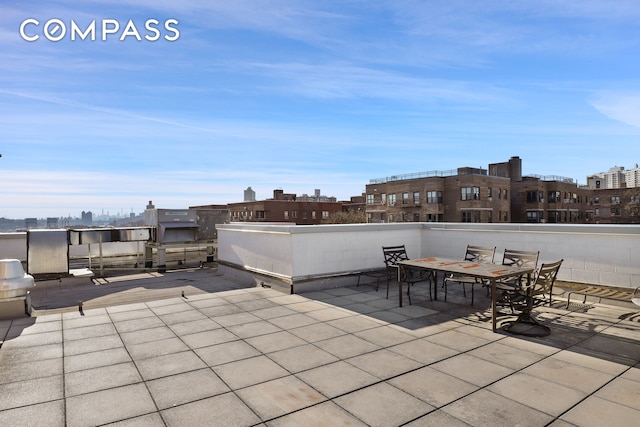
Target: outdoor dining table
486 272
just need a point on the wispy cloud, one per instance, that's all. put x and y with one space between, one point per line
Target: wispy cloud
622 106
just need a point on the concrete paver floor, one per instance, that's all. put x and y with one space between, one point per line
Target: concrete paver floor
231 355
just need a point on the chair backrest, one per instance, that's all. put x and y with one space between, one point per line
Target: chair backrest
480 254
545 278
520 258
393 254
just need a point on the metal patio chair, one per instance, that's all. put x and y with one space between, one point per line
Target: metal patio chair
478 254
395 254
532 295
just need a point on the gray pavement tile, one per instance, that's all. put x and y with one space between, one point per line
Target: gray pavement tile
123 316
301 358
254 329
278 397
505 355
551 398
355 323
293 321
432 386
193 326
220 310
337 378
384 336
34 415
29 354
75 314
182 316
357 308
187 387
31 391
632 373
436 419
389 316
30 370
577 377
164 303
484 408
287 299
317 332
126 307
176 307
138 324
89 332
208 301
89 345
383 363
31 340
622 391
275 342
318 416
22 328
423 351
589 361
81 321
219 411
382 405
96 359
102 378
255 304
169 364
236 319
346 346
619 348
472 369
226 352
247 372
307 306
328 314
108 406
593 411
156 348
146 335
148 420
273 312
457 340
208 338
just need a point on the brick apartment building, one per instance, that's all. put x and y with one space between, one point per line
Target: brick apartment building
286 207
499 194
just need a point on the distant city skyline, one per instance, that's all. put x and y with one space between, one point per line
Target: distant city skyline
96 112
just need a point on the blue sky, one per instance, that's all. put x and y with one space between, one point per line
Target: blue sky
302 94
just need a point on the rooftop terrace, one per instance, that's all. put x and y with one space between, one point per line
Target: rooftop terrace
193 347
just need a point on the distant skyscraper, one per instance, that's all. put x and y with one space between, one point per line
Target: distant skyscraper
249 195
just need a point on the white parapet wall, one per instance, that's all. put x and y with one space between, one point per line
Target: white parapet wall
311 257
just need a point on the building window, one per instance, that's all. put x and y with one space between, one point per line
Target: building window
383 197
261 215
313 214
489 193
615 200
370 199
554 196
286 215
615 211
597 212
470 193
416 217
466 216
294 214
534 196
533 216
635 199
416 197
392 199
596 200
405 198
325 214
434 197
